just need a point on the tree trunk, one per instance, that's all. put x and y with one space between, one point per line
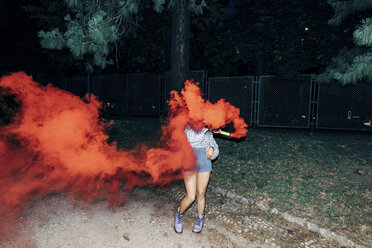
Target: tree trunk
180 44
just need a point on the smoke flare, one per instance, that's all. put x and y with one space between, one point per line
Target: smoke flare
57 144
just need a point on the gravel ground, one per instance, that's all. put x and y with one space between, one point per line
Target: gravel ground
146 220
250 223
143 221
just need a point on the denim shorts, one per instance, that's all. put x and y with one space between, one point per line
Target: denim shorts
202 163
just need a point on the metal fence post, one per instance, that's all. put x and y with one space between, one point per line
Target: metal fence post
207 93
205 79
258 97
313 104
160 96
255 101
126 101
163 100
88 84
64 81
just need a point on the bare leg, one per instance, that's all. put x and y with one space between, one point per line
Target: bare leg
189 177
201 187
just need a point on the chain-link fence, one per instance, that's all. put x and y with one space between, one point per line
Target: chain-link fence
110 91
143 91
345 107
284 102
264 101
57 79
78 85
197 76
236 90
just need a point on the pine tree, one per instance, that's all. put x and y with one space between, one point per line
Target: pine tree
351 65
94 27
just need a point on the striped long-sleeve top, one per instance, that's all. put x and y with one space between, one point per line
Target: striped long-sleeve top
202 139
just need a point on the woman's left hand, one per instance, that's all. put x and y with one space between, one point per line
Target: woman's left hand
210 152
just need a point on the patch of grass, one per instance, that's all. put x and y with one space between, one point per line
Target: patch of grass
309 174
130 132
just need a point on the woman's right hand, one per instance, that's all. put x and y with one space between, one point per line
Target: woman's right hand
210 152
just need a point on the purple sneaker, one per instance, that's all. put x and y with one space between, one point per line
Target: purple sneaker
199 224
178 223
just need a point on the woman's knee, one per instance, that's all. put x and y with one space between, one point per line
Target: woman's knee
190 197
200 195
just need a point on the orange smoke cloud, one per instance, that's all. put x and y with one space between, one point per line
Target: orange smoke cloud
57 144
202 113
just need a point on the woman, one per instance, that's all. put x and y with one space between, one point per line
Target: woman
196 181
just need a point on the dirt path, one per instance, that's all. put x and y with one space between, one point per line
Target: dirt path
136 224
146 220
